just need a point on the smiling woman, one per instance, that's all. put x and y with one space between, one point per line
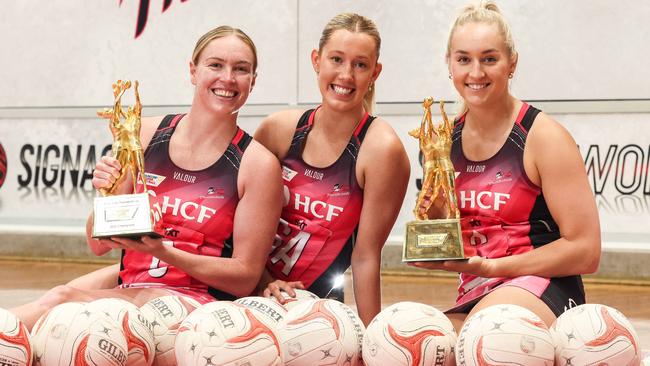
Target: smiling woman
230 76
211 194
361 36
525 202
345 174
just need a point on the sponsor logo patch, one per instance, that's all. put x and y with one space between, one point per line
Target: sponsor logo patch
154 180
339 190
214 192
502 177
288 174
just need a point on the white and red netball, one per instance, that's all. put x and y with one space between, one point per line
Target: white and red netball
594 334
15 344
321 332
269 311
73 334
301 295
225 333
409 334
504 335
137 329
165 315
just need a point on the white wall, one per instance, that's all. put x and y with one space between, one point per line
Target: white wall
67 52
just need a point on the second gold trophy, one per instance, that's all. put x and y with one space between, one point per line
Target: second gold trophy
440 238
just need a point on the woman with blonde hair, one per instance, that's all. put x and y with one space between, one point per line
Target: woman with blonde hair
345 174
207 250
525 202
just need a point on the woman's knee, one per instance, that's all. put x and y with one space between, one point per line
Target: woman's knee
103 278
517 296
59 295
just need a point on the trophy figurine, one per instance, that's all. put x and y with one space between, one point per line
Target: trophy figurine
128 214
437 239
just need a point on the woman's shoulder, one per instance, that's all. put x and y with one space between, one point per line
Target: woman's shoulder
382 157
549 143
257 162
258 153
382 135
381 144
276 130
285 119
546 127
148 127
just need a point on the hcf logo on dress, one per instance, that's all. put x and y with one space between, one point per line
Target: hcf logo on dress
188 210
317 208
486 200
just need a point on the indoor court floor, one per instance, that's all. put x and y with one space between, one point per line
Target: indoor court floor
23 281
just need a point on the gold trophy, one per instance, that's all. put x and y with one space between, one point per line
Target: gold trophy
128 214
439 239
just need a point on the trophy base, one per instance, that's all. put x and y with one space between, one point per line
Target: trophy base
127 215
433 240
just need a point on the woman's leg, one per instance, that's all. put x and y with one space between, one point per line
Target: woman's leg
457 320
103 278
507 295
30 312
516 296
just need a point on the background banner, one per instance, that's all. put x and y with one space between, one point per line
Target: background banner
49 167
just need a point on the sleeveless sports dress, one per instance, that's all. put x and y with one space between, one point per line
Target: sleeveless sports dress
197 210
319 222
503 213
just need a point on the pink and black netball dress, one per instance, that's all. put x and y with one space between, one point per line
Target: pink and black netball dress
503 213
318 225
197 210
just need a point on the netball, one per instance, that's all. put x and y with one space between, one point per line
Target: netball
225 333
15 344
137 330
265 309
71 333
502 334
321 332
290 302
409 334
595 334
165 314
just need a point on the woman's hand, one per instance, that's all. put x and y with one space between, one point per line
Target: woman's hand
276 287
106 173
433 208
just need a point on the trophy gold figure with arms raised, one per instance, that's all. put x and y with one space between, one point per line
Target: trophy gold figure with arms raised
437 239
128 214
